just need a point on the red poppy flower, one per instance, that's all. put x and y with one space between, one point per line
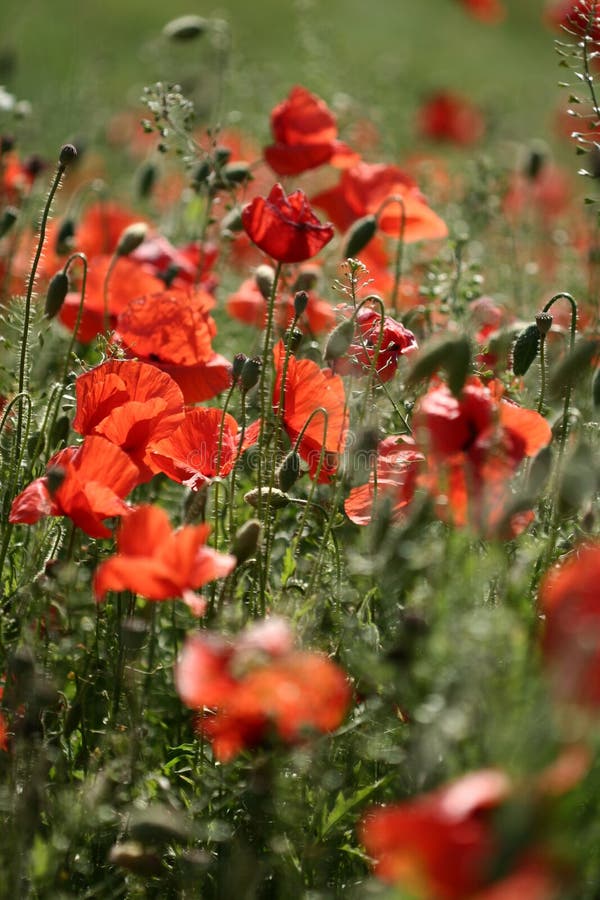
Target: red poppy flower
95 477
364 189
286 228
307 387
549 194
259 684
570 600
130 404
127 281
190 454
305 133
158 563
398 466
248 305
396 341
449 117
490 11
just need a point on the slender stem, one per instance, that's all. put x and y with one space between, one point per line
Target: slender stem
218 466
540 405
234 468
113 261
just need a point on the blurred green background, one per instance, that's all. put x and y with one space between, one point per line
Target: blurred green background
80 62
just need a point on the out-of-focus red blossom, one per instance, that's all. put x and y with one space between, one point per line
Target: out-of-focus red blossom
308 387
365 188
490 318
570 600
549 194
173 331
489 11
127 281
16 177
305 133
398 465
393 340
160 564
576 16
285 227
131 404
3 734
96 477
256 686
449 117
443 845
248 305
191 455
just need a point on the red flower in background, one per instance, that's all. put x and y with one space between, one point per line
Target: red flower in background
449 117
576 16
398 465
285 227
190 454
88 483
444 846
570 600
160 564
257 685
490 11
130 404
365 188
248 305
396 341
305 133
173 331
307 387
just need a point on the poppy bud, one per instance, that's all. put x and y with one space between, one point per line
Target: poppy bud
54 478
288 472
236 173
185 28
300 303
293 339
525 349
307 279
541 466
278 498
536 160
246 540
359 236
68 154
250 373
64 238
265 278
232 222
596 389
7 143
201 173
339 340
146 179
239 361
7 220
222 155
131 238
543 320
57 291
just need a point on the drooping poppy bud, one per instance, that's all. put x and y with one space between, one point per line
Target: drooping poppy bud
131 238
185 28
246 540
525 349
288 472
278 498
339 340
359 235
57 292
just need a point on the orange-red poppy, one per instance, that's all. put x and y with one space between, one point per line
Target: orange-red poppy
489 11
160 564
248 305
191 454
446 116
308 388
130 404
92 481
305 133
257 686
398 464
285 227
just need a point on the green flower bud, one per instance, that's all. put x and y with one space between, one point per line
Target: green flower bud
288 472
57 291
7 220
250 373
131 238
359 236
339 340
265 277
525 349
185 28
246 540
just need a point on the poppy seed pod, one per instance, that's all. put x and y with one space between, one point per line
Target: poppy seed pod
7 220
68 154
265 277
131 238
525 349
543 320
185 28
278 498
339 340
250 373
57 291
288 472
359 236
246 540
300 303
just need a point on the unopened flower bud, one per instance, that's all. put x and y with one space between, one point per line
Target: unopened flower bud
222 155
7 219
201 174
536 160
68 154
300 303
543 320
55 476
185 28
131 238
265 278
246 540
288 472
232 221
57 292
307 278
525 349
339 340
250 373
236 173
278 498
65 237
239 361
359 236
146 179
